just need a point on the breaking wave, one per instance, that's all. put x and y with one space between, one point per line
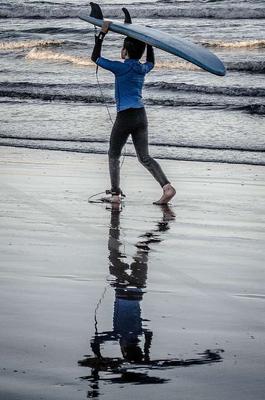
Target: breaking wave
250 44
38 54
168 11
240 66
47 55
254 66
28 44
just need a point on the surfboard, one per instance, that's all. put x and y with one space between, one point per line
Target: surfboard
172 44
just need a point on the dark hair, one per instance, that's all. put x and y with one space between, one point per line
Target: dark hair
134 47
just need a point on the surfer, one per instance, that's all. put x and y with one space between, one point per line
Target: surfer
131 116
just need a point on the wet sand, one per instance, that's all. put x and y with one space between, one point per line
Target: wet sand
145 301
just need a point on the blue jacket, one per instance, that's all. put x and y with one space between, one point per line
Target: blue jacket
129 80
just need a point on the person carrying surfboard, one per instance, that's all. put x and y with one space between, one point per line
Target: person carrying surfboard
131 116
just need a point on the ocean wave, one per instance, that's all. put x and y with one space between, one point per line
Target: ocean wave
168 86
68 139
183 154
235 11
90 99
54 139
28 44
49 86
221 90
9 92
48 55
258 109
160 85
36 54
53 96
250 44
57 30
255 66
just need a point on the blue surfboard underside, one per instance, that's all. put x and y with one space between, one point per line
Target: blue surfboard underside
183 48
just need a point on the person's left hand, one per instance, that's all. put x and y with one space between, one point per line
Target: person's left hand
105 26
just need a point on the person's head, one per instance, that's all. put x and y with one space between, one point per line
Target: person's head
132 48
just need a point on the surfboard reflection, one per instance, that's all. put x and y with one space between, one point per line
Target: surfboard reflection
129 329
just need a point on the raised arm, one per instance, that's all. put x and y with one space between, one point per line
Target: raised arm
99 40
150 55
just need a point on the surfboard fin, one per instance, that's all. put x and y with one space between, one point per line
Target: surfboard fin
127 19
96 11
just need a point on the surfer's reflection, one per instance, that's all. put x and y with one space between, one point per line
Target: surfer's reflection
129 283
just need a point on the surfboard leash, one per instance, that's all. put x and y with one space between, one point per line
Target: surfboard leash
108 110
112 122
103 97
100 88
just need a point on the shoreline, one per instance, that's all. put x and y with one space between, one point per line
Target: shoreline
158 157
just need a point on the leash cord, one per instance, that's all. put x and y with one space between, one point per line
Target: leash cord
97 308
103 97
110 118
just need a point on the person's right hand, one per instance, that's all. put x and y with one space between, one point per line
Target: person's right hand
105 26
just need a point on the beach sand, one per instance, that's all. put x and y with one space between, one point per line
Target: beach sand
65 264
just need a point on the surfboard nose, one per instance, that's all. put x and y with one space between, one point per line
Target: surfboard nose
220 68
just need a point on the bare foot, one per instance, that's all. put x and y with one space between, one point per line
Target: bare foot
168 193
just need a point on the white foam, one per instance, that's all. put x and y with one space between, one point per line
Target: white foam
259 43
48 55
39 54
182 65
28 44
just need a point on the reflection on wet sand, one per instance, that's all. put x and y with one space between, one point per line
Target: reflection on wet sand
135 340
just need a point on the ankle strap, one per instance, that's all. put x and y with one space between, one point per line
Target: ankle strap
113 193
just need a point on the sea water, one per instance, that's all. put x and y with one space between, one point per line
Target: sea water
52 99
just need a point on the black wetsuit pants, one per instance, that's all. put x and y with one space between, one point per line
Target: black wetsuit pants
132 121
